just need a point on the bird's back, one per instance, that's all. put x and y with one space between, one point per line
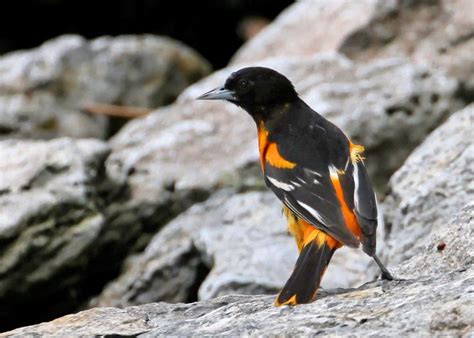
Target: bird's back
308 138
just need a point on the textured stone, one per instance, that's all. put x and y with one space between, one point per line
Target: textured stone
306 28
440 32
50 219
435 182
243 241
63 229
437 300
43 92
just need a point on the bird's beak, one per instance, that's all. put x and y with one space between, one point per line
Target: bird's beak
218 94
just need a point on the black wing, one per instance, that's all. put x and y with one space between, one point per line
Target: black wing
365 206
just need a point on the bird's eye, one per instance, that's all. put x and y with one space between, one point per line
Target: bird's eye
243 84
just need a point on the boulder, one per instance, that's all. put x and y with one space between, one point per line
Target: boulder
63 230
44 92
306 28
435 182
50 220
436 301
440 32
232 243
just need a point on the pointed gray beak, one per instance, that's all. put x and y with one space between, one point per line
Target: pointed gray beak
218 94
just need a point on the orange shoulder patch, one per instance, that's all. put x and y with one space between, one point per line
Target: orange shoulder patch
274 157
269 151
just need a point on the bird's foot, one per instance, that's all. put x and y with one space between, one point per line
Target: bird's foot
389 277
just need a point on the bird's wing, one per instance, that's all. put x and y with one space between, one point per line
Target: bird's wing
318 197
365 205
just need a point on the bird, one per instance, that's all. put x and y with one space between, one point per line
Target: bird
314 169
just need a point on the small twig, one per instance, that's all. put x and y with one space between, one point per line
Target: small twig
115 110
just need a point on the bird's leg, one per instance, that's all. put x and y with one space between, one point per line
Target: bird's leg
385 273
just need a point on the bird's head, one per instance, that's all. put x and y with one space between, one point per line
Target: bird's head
254 89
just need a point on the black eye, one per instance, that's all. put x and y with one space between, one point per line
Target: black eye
243 84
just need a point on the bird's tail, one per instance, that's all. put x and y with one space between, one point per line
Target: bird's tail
309 269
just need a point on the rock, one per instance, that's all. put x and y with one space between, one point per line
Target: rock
448 248
62 231
306 28
44 91
431 303
434 183
50 220
241 238
440 32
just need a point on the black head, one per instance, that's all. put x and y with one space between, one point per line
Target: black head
254 88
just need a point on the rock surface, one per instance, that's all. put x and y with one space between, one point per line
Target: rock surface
306 28
63 230
439 32
438 299
43 92
435 182
241 238
50 218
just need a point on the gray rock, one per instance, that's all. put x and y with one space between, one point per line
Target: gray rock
52 218
448 248
38 174
438 32
243 241
66 226
43 92
436 301
435 182
306 28
49 216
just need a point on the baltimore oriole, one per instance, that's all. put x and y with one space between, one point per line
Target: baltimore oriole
314 169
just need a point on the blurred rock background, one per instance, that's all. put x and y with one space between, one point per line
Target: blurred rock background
108 199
